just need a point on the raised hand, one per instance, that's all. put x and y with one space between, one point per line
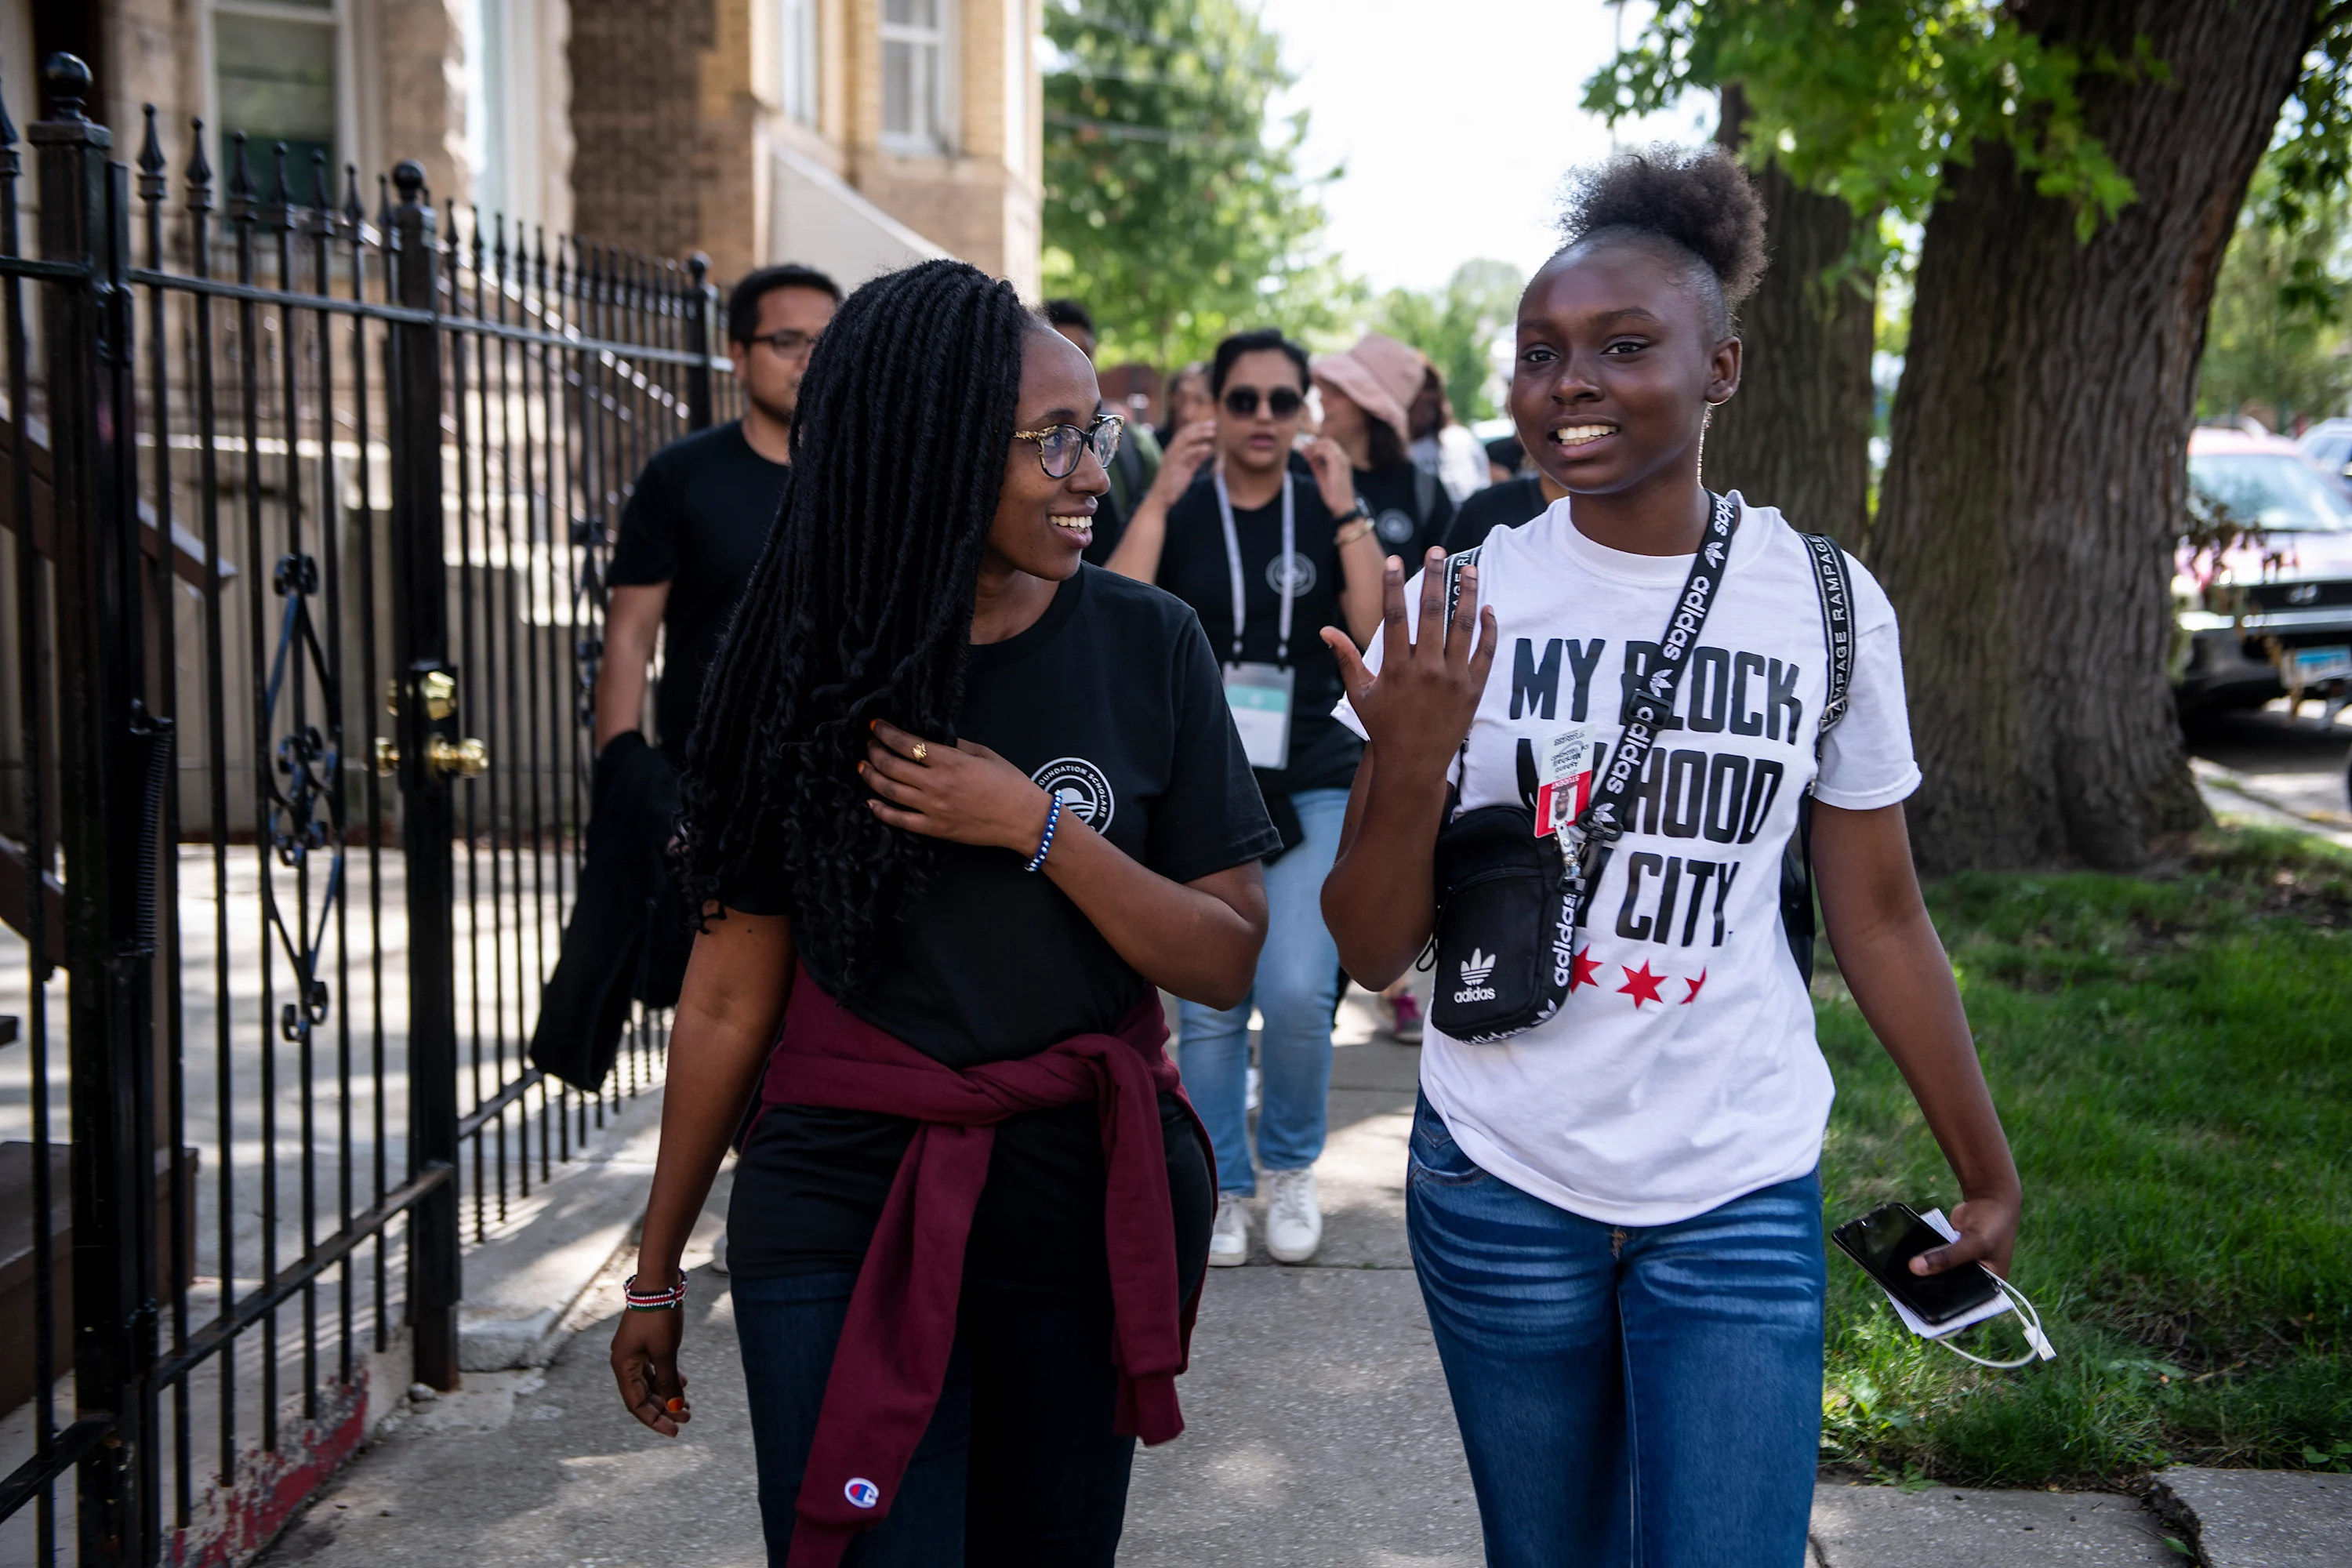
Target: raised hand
1180 465
1419 707
1335 475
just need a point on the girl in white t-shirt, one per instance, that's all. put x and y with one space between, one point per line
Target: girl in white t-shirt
1616 1214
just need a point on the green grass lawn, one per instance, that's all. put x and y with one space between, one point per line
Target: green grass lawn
2172 1057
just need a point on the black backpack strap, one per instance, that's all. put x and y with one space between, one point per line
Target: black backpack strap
1835 591
1454 564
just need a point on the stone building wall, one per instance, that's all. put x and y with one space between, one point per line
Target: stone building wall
636 103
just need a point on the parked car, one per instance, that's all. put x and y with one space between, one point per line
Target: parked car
2329 444
2273 612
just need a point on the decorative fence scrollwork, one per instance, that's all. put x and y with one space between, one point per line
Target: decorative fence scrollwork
309 507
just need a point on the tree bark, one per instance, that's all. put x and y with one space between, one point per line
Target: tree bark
2027 522
1797 437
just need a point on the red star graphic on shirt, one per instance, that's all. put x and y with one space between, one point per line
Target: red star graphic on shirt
1693 985
1641 985
1588 972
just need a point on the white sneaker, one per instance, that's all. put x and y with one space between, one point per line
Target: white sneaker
1229 1238
719 1254
1293 1220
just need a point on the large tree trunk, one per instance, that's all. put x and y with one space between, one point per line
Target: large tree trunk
2027 522
1798 436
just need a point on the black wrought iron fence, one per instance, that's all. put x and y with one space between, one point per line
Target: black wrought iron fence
311 490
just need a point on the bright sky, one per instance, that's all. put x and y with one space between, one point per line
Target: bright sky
1456 119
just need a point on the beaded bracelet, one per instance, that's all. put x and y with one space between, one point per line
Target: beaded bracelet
1053 818
669 1301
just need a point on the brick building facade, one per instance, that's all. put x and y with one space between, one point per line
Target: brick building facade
855 134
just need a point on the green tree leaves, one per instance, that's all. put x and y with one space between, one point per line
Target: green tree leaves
1456 326
2276 338
1174 207
1871 100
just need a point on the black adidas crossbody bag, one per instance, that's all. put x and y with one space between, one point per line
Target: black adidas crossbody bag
1509 903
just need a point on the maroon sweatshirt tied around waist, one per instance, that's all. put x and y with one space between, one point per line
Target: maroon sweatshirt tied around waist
892 1359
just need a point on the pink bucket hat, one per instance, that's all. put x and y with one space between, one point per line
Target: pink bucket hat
1381 376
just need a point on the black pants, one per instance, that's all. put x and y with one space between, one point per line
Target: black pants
1019 1468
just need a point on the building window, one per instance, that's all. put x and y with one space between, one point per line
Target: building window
273 78
1016 86
488 138
797 78
917 78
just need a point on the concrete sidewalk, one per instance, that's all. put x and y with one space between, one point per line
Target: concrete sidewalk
1319 1434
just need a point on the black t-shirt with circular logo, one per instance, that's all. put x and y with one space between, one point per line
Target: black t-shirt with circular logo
698 521
1323 754
1409 507
1113 701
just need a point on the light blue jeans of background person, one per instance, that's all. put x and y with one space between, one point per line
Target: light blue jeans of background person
1298 986
1629 1396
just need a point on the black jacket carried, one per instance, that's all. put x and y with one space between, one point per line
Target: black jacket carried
629 934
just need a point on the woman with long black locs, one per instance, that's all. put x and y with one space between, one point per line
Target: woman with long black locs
956 805
1612 1195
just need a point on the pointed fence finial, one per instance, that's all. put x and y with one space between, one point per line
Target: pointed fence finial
152 162
353 214
199 173
240 178
281 200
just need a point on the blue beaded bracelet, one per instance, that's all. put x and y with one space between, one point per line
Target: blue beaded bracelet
1053 817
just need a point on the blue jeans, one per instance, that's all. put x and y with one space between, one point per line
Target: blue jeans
1645 1396
1298 986
1019 1466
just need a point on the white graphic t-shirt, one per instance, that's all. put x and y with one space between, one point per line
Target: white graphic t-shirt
1682 1070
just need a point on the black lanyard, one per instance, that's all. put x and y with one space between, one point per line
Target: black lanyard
1647 707
1586 842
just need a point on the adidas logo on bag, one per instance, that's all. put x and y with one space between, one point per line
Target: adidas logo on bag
1475 972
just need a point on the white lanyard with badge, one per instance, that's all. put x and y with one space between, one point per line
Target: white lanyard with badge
1260 694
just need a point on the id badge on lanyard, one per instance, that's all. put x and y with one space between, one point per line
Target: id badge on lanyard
1260 694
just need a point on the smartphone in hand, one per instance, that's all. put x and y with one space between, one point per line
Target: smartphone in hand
1887 1239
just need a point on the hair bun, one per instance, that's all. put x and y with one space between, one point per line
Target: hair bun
1698 197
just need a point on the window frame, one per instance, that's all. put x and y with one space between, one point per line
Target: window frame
800 90
946 96
335 16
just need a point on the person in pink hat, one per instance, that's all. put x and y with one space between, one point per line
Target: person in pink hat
1367 394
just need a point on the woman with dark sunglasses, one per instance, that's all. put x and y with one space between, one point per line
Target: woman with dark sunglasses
956 805
1269 550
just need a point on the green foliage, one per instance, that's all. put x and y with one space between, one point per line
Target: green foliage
2170 1059
1872 101
1454 325
2276 337
1173 208
2312 160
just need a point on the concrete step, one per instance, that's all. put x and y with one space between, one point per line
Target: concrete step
1857 1526
2263 1519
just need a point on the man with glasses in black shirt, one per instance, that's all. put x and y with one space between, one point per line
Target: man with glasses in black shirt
700 512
